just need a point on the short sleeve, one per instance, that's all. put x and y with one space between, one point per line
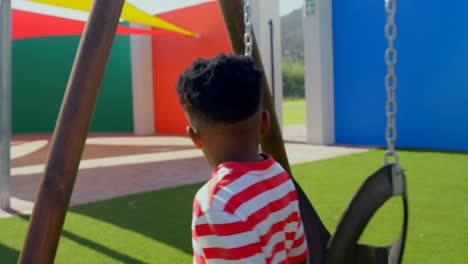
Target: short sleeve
221 237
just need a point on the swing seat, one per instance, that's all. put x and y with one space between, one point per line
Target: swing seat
343 246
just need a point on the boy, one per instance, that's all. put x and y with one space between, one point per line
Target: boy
248 211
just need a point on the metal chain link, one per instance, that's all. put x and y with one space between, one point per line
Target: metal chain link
248 38
391 82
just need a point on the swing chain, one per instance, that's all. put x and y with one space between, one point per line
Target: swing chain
248 38
391 82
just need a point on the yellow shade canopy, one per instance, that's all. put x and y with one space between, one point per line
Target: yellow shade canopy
129 13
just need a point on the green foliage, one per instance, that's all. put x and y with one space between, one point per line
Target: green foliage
293 78
292 41
292 36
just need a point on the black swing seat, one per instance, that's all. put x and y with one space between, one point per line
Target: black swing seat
343 246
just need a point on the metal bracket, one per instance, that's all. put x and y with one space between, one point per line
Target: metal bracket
398 180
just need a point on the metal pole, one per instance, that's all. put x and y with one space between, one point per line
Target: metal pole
5 102
70 133
272 57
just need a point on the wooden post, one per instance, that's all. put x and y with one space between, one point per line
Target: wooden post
70 133
233 11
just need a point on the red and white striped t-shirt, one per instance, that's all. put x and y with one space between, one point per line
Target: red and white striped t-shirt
248 213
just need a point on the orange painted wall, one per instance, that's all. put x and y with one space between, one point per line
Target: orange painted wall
172 54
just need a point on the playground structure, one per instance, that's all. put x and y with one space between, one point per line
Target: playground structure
72 127
268 144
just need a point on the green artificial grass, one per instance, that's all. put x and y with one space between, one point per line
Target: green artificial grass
155 227
437 187
144 228
294 111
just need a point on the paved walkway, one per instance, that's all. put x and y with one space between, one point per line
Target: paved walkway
119 165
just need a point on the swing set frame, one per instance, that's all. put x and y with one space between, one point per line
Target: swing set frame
74 119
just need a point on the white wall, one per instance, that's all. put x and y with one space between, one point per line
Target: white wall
262 12
142 83
318 52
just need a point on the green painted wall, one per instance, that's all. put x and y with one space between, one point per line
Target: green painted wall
41 68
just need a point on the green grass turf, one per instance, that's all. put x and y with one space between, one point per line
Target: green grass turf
294 111
155 227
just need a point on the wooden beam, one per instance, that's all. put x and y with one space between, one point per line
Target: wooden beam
70 133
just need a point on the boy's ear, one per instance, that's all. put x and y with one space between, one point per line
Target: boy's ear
265 122
194 137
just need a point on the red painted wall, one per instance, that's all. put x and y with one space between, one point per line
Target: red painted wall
172 54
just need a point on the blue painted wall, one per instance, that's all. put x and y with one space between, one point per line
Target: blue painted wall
432 71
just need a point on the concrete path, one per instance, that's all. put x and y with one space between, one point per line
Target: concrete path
119 165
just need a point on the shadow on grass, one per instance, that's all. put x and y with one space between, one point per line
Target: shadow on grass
82 241
164 216
8 255
101 248
461 152
422 150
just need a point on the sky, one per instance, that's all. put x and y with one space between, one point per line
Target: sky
286 6
150 6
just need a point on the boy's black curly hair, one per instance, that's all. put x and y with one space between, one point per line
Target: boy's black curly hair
226 88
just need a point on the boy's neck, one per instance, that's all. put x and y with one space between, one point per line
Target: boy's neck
241 155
